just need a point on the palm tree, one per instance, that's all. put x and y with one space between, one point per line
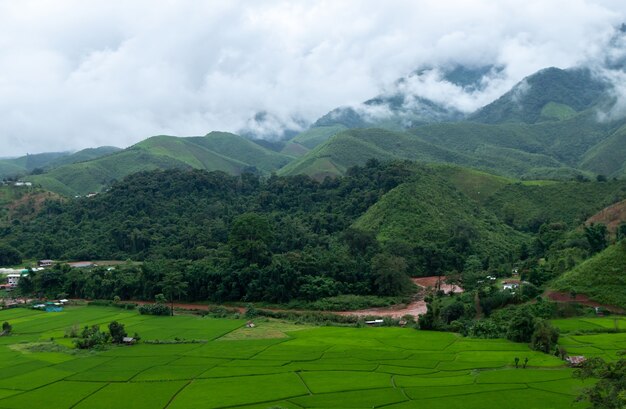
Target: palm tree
173 286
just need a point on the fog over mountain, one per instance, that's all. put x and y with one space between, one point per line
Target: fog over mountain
83 74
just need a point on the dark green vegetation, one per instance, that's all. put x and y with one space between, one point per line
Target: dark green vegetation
610 391
291 366
277 239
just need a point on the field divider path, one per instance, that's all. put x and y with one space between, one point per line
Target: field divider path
91 394
303 383
169 402
393 383
174 358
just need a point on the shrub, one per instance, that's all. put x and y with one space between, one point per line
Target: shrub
544 337
154 309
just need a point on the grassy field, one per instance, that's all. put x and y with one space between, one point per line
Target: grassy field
280 365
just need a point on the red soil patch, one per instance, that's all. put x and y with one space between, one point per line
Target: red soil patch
559 296
611 216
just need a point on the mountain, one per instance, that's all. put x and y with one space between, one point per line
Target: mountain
550 94
398 109
459 143
82 156
26 164
547 127
216 151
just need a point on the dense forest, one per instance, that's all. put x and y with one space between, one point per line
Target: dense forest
276 239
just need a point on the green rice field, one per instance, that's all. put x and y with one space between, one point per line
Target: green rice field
277 365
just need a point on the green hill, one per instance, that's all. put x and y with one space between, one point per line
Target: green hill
430 213
464 144
216 151
527 206
26 164
602 277
82 156
609 156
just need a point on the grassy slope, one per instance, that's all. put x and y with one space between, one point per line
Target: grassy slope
602 277
430 208
243 150
25 164
607 157
316 135
83 155
211 152
475 184
506 149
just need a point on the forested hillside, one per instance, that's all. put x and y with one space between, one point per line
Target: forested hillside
276 238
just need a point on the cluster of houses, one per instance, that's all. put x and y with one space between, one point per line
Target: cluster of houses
17 183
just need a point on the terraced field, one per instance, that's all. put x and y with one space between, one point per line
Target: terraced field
275 365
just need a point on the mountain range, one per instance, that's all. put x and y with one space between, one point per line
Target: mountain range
555 124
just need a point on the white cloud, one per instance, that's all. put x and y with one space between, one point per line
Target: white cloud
77 74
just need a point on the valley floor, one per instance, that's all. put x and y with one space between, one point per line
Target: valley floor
277 364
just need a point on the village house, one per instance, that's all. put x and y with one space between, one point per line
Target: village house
510 285
13 279
44 263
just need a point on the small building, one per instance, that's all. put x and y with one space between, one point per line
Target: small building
53 307
13 279
510 285
44 263
128 340
81 264
374 322
575 360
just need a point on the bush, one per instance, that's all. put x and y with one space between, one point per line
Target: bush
92 337
154 309
109 303
545 336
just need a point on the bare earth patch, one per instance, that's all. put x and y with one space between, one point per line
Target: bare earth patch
414 308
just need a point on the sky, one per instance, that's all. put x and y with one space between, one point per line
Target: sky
77 74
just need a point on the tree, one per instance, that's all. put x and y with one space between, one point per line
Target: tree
545 336
521 326
250 239
6 328
596 235
9 256
173 286
621 231
610 390
117 331
390 275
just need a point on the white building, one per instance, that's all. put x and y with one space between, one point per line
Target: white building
13 279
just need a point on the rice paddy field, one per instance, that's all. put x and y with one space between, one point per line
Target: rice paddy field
277 365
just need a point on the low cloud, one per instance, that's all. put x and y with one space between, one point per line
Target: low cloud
79 74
